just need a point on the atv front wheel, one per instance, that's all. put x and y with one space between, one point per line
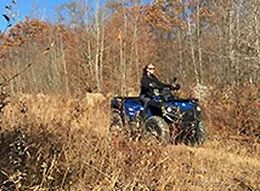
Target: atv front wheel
192 135
200 134
157 127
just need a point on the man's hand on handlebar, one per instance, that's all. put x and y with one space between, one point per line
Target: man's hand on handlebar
175 86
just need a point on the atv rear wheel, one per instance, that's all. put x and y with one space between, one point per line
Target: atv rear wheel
156 126
116 121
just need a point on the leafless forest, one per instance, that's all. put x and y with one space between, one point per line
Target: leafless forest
57 79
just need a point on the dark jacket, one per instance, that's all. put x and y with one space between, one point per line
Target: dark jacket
149 83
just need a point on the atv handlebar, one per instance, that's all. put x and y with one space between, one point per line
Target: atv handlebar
176 86
166 93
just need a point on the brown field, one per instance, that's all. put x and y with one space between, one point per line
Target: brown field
63 143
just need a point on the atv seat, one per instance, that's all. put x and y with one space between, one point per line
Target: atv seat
132 98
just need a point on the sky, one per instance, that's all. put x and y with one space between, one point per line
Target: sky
41 9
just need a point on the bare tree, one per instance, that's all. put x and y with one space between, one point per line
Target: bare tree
98 38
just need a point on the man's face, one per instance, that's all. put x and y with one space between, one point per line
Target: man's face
150 69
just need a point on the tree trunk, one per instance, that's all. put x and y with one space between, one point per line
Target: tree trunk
64 64
90 60
238 31
257 34
231 42
192 46
101 57
122 68
135 41
122 57
199 43
97 48
181 71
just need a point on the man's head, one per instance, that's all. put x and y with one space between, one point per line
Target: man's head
149 69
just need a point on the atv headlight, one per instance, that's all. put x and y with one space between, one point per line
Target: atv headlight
163 109
198 108
169 109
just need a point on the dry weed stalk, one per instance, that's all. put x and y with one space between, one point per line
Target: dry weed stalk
65 148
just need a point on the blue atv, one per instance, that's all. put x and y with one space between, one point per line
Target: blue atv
168 117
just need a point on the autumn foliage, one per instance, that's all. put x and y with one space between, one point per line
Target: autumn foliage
56 81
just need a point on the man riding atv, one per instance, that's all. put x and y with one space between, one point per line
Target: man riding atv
159 112
149 85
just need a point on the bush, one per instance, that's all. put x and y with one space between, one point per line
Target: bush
235 109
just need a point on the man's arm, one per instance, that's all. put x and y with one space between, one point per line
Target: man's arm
145 83
161 85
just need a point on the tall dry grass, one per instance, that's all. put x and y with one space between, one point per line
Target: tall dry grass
235 110
51 142
49 110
